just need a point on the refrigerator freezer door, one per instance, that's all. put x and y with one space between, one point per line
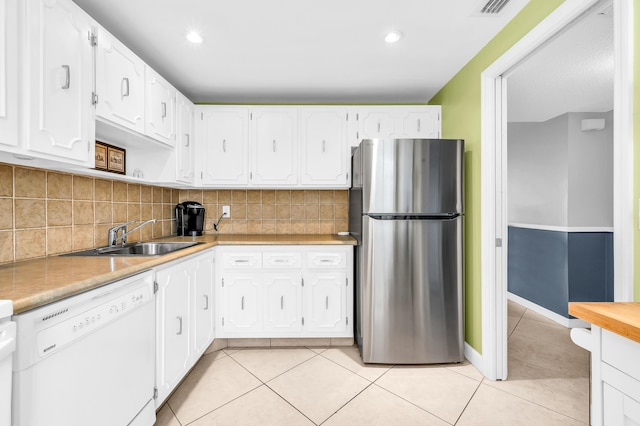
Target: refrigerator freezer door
409 296
412 176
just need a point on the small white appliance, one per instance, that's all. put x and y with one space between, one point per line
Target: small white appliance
7 346
88 359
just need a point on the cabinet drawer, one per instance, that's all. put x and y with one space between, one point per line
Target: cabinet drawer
251 260
326 259
621 353
281 260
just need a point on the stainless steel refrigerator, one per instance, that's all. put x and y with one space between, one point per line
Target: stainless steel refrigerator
406 212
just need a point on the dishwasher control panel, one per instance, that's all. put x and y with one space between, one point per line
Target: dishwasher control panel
58 335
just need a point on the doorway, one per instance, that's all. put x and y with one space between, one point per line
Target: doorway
494 177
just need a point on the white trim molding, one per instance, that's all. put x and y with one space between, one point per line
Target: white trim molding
623 202
562 228
493 200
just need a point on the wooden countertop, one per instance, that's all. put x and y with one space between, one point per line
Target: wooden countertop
33 283
618 317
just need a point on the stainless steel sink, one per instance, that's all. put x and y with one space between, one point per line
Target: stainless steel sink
136 249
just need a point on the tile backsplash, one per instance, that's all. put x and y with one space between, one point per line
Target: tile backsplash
45 212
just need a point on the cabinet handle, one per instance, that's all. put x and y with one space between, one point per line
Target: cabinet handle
164 109
280 260
378 127
241 261
224 145
324 146
187 140
67 81
242 303
206 302
418 124
180 329
281 303
274 145
124 87
326 303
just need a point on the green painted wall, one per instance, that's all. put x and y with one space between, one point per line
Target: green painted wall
460 100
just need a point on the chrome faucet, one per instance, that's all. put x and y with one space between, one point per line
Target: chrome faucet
113 232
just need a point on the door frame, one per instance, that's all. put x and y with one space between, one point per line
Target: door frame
494 173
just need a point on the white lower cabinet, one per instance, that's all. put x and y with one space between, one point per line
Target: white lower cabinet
284 291
325 301
240 308
203 302
615 379
184 318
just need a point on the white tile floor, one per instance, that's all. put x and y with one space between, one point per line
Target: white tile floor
548 385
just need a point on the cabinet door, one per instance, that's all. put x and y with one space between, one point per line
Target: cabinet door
184 145
324 147
273 147
618 408
204 314
420 123
120 83
59 70
223 140
160 108
376 124
172 318
282 301
241 302
9 73
325 301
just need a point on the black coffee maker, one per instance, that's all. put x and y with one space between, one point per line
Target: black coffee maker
190 218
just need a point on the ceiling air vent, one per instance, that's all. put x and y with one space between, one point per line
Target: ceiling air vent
493 7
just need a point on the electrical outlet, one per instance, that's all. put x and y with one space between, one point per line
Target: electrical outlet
226 211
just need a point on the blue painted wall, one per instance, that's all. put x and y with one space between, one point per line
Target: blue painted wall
552 268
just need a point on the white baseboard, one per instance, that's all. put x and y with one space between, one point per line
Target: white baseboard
474 358
564 321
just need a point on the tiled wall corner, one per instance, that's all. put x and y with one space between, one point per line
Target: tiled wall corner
274 211
44 212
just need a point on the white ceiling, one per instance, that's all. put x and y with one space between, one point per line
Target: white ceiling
572 73
329 51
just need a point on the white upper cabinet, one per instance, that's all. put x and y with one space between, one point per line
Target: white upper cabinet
274 147
120 83
58 70
423 123
222 135
184 143
323 145
160 108
9 73
382 122
376 123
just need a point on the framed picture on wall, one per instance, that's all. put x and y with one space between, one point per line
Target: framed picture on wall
116 160
101 156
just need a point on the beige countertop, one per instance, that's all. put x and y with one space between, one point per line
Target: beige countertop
622 318
33 283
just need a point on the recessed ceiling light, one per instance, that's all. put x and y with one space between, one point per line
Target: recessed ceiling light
393 36
194 37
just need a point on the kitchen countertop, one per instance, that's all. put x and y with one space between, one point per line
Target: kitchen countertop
622 318
33 283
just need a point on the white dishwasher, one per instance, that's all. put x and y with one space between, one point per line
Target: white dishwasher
7 346
88 359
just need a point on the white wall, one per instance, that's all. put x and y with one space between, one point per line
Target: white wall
590 172
559 175
537 172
